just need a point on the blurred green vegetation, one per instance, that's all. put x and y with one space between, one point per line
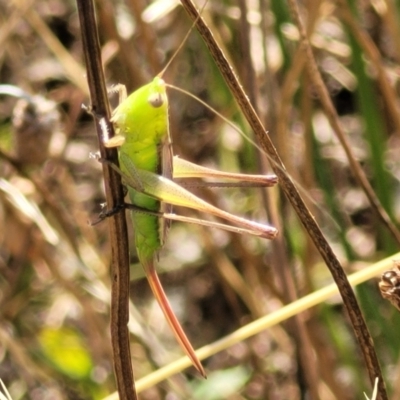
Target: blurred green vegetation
54 266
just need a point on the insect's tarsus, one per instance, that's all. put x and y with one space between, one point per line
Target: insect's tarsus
108 213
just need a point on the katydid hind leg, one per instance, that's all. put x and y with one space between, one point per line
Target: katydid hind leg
184 169
170 192
190 220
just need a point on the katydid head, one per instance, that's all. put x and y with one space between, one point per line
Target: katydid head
142 112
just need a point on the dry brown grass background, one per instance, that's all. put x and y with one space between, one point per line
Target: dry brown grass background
54 266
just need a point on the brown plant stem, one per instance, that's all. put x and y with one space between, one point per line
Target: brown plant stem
114 197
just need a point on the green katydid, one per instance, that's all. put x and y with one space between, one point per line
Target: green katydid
141 122
148 168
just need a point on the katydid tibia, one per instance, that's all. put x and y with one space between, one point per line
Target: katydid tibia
148 169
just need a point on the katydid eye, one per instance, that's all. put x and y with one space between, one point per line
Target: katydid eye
156 100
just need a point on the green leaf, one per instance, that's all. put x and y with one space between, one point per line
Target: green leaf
65 349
